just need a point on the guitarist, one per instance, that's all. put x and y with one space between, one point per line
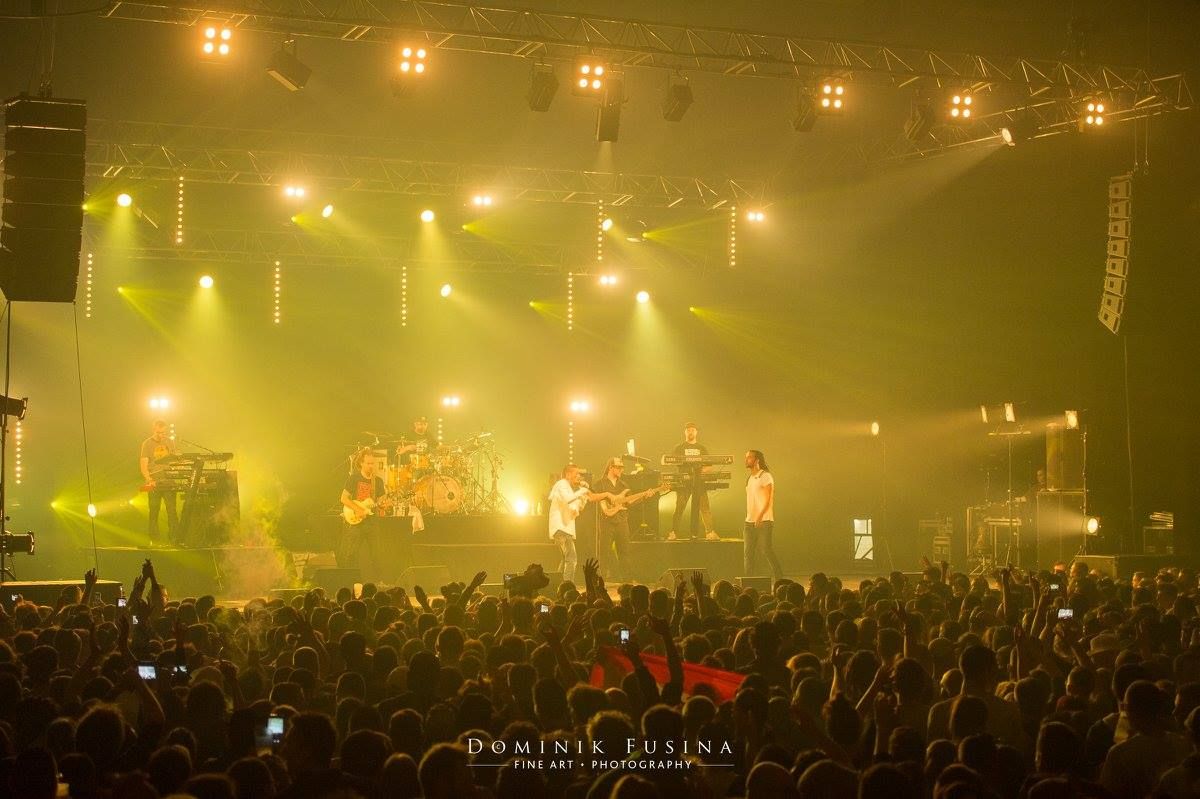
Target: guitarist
361 486
612 532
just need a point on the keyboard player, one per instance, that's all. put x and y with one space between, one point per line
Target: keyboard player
155 450
694 489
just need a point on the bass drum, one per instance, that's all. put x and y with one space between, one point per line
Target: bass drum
438 494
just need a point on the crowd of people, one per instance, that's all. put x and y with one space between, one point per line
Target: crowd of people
1013 685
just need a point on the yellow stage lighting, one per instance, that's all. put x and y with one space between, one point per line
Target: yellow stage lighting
1072 420
581 406
206 281
521 506
446 289
606 224
91 510
1092 525
124 200
427 215
874 428
327 211
643 297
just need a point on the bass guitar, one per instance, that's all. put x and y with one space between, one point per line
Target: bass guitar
615 503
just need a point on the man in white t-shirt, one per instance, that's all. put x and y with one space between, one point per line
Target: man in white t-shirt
760 515
567 498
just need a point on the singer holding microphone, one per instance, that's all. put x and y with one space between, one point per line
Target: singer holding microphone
568 497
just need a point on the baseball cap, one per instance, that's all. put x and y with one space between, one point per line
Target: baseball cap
613 462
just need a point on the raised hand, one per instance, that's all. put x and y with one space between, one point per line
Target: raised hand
476 581
661 627
123 632
698 585
885 711
89 578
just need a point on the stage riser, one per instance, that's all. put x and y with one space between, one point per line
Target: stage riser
46 592
649 559
225 572
1122 567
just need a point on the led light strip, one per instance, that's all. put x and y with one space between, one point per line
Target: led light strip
18 467
733 217
404 296
570 301
87 289
179 216
278 272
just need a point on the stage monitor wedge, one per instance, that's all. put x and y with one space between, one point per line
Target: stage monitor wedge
42 214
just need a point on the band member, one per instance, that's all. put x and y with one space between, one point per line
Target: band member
567 499
760 515
158 446
612 532
419 440
693 490
363 492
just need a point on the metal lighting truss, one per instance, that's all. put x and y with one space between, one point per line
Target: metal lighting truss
562 36
152 151
298 248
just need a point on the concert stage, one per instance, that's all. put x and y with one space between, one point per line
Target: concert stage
503 543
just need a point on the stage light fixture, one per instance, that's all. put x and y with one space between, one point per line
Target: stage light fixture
294 192
806 114
678 100
412 60
216 41
124 200
327 211
482 200
606 224
543 85
608 280
755 216
983 413
1092 525
1072 420
832 95
590 76
206 281
961 106
874 428
1094 116
286 67
451 401
521 506
410 68
1019 130
919 122
643 297
581 406
427 215
91 510
159 403
1010 412
446 290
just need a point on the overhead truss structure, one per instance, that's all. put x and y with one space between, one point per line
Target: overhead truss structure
298 248
150 151
1049 90
561 36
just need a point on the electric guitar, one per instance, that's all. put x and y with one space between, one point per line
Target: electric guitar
369 505
619 502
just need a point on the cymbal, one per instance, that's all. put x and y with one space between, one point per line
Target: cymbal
376 435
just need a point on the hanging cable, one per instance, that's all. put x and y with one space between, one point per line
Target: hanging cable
87 465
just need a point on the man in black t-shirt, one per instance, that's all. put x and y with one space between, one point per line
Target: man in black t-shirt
612 532
418 441
694 489
363 490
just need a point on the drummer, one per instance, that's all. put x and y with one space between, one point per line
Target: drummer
418 442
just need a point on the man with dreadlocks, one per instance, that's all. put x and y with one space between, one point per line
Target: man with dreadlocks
760 514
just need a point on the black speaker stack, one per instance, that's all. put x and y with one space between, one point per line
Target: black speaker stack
42 214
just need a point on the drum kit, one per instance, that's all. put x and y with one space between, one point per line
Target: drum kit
459 477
